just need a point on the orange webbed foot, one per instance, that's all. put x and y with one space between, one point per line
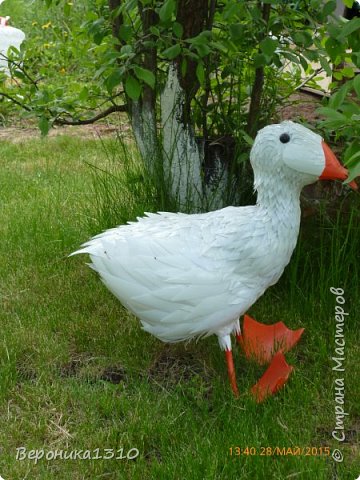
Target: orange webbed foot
273 379
260 342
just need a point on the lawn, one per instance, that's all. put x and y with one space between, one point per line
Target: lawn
78 373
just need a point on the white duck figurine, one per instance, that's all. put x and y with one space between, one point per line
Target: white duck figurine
9 37
188 276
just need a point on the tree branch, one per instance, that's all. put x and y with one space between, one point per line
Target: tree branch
12 99
64 121
89 121
22 70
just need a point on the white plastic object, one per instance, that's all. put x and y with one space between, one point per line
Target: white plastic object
9 37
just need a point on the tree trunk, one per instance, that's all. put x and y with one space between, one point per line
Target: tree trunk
194 168
182 156
174 156
143 112
258 85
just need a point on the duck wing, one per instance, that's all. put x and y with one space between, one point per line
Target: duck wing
182 275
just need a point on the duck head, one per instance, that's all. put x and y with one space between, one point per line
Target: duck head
295 154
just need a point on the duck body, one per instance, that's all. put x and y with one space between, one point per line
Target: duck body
194 275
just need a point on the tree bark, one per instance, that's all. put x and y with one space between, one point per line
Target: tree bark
174 153
143 111
193 15
116 20
258 85
182 157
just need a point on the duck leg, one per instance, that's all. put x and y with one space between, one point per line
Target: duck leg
231 371
260 342
225 344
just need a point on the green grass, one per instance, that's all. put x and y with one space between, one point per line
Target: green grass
78 373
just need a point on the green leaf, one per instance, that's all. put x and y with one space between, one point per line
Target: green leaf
355 57
202 39
303 62
243 157
334 119
350 27
338 76
353 160
237 31
333 48
84 94
126 51
113 80
155 31
348 3
356 85
334 29
178 29
247 138
348 72
202 50
353 171
277 61
331 113
18 74
145 75
326 66
328 8
125 32
303 38
200 73
290 56
338 98
44 125
259 60
268 46
172 52
132 88
352 149
167 10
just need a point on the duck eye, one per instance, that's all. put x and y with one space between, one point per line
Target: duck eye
284 138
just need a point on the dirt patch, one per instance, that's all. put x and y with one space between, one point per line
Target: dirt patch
301 106
25 372
175 364
88 368
114 374
72 367
21 134
153 455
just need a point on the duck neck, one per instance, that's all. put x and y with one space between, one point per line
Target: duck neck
280 199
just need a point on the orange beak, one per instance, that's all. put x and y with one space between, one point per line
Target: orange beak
333 169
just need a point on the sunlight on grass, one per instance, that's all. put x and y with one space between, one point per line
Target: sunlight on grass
77 371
